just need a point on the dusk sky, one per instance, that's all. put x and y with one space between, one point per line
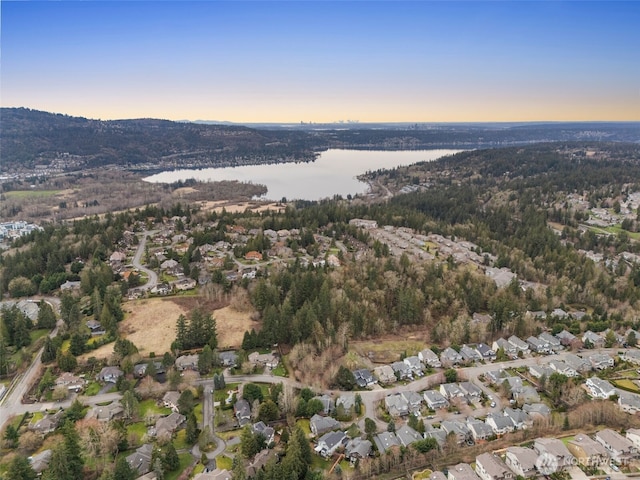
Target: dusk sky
418 61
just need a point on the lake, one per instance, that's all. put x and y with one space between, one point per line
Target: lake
334 172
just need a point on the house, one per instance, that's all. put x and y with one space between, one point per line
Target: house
479 430
559 313
396 405
69 285
519 418
166 426
415 365
518 343
168 265
48 423
170 400
629 402
510 350
556 450
471 391
469 354
537 410
140 460
269 360
118 257
539 371
499 424
491 467
216 474
357 449
438 434
364 378
599 388
579 364
566 338
140 370
429 358
185 284
486 352
631 356
435 400
514 384
40 461
633 435
71 381
522 461
106 413
587 451
187 362
593 338
537 345
495 376
554 342
320 425
95 327
451 391
386 440
385 374
242 411
229 359
402 371
526 394
459 429
413 399
600 361
347 401
562 368
620 449
462 471
327 403
266 431
407 435
450 357
253 255
437 476
109 374
259 461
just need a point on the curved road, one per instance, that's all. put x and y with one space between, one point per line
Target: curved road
152 276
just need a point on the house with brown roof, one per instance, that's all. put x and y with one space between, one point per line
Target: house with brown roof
253 255
587 451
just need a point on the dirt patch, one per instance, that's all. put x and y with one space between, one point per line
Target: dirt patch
240 207
388 350
151 324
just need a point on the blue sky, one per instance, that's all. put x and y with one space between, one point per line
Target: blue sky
268 61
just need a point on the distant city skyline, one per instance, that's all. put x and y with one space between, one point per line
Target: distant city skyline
326 61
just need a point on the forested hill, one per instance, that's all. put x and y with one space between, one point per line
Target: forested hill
31 137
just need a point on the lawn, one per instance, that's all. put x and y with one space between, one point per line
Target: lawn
220 395
180 442
21 194
185 460
566 440
148 407
35 335
280 371
198 413
424 474
304 424
319 463
92 389
139 429
626 385
224 462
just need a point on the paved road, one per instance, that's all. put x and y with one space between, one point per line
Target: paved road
152 276
208 411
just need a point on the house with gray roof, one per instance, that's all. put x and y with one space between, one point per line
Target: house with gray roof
429 358
469 354
526 394
407 435
536 410
450 357
187 362
415 365
620 449
402 371
553 341
437 476
48 423
140 460
462 471
265 430
451 391
106 413
518 417
167 426
495 376
537 345
357 449
396 405
566 338
228 359
170 400
520 344
539 371
599 388
596 340
601 361
556 450
629 402
471 391
631 356
486 352
385 374
109 374
633 435
438 434
562 368
579 364
386 440
347 401
320 425
413 399
522 461
587 450
479 430
242 411
491 467
459 429
435 400
327 403
500 424
40 461
330 442
509 349
364 378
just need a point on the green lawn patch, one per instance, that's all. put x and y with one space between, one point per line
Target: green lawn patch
280 371
224 462
180 440
304 424
148 407
627 385
35 335
92 389
185 460
65 346
319 463
220 395
139 429
36 417
566 440
198 413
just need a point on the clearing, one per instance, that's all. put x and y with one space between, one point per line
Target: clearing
151 324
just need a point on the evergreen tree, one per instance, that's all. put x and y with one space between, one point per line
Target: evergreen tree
58 468
73 451
205 360
48 351
46 316
170 460
20 469
192 431
123 470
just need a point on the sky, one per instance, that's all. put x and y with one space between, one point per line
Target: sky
323 61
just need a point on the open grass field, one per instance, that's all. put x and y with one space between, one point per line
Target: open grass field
387 350
150 324
185 460
21 194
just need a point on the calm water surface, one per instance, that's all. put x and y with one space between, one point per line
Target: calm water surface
333 173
